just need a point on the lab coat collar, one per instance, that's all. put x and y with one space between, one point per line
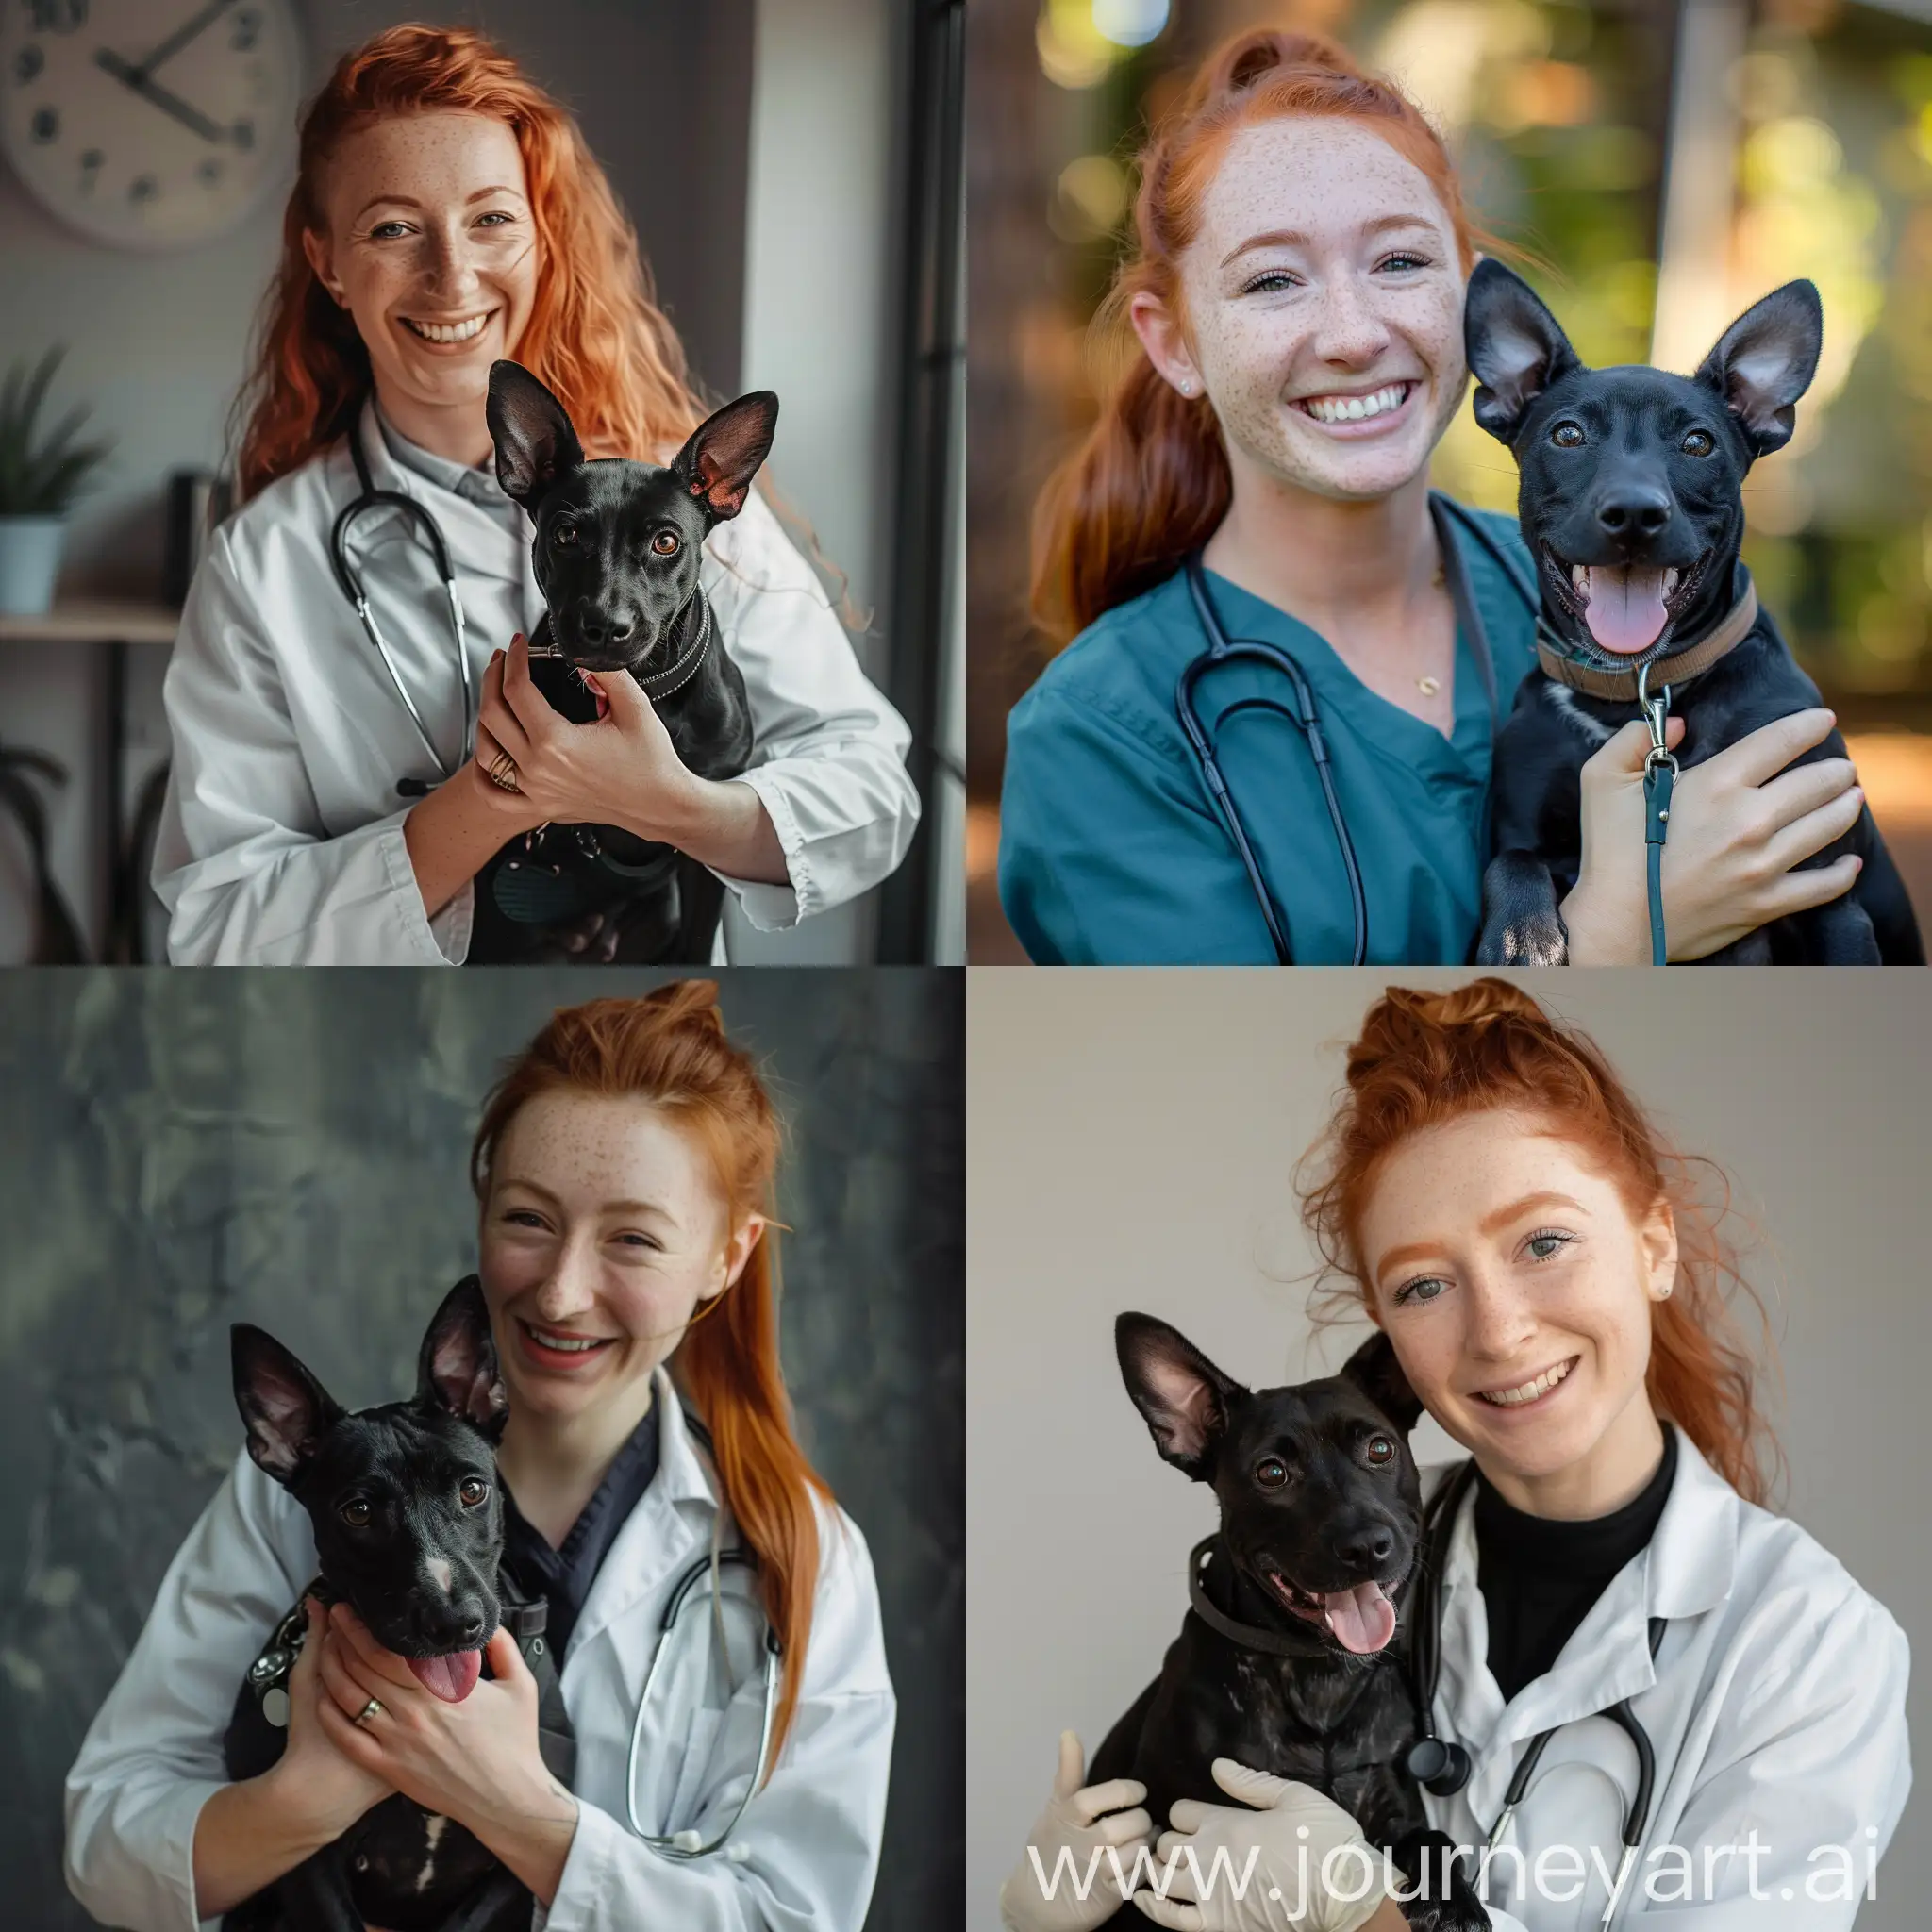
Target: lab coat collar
1687 1567
479 544
670 1521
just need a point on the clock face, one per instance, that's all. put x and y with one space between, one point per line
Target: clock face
148 124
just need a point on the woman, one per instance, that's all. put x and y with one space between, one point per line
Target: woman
448 213
623 1171
1494 1200
1302 254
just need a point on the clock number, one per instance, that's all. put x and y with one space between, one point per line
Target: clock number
27 63
243 135
210 171
45 125
57 16
90 162
248 30
142 189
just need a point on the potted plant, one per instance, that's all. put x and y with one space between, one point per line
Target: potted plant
40 478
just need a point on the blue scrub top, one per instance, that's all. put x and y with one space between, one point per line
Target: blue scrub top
1112 853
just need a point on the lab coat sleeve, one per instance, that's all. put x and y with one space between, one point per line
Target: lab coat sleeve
804 1856
1814 1756
1109 853
829 763
152 1756
243 861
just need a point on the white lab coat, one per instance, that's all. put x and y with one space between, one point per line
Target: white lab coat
280 840
1777 1705
802 1859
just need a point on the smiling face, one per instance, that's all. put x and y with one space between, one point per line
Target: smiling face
431 248
1516 1287
1323 298
603 1224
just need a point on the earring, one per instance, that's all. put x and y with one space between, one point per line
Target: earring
1187 389
1666 1295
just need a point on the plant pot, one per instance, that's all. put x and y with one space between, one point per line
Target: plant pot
29 561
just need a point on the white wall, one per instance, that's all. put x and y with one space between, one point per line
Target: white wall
1129 1143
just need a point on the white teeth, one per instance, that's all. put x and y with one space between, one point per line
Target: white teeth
449 332
570 1346
1510 1398
1670 581
1355 408
1579 577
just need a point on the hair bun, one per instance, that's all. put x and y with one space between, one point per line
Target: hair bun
1411 1024
1253 58
682 1000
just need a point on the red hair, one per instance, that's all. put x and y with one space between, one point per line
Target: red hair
1150 483
1424 1059
595 335
670 1048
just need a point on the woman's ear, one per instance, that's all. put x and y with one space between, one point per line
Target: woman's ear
1659 1246
321 260
1166 343
738 1249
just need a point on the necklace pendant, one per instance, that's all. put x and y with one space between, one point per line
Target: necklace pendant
1428 686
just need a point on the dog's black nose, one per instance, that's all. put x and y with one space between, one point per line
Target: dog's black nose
600 628
1368 1548
1635 510
473 1630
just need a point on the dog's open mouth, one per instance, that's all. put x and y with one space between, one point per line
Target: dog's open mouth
452 1677
1361 1620
1626 609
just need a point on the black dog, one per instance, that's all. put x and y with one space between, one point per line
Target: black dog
616 552
1285 1662
1631 505
408 1529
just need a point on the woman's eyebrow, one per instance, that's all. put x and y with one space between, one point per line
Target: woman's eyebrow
1293 237
1490 1224
410 201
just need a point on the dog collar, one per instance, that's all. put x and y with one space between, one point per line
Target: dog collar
1249 1635
1730 631
660 684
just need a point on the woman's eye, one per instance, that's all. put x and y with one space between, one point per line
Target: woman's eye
564 537
496 218
1380 1450
474 1490
355 1514
1543 1245
1415 1291
1567 436
1271 1472
1269 282
665 542
1700 443
640 1240
523 1217
1403 260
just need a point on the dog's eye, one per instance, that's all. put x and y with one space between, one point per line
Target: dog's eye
1700 443
1271 1472
472 1490
355 1514
665 542
1380 1450
564 537
1567 436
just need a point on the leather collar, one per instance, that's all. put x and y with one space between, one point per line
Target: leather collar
1249 1635
1678 668
675 676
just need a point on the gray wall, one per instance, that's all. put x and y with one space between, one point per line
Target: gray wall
1131 1137
181 1151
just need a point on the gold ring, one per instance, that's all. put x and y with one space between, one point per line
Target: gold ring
503 773
367 1711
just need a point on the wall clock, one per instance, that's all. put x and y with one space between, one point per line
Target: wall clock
149 124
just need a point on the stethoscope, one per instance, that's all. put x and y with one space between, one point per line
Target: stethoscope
1223 650
1440 1765
418 515
691 1845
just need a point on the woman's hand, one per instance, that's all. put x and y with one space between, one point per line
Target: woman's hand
476 1761
1070 1836
621 771
318 1783
1282 1845
1739 822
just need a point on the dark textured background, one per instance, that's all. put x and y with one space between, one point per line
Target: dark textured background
179 1151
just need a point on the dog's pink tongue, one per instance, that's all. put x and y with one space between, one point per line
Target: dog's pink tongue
1625 612
451 1679
1362 1618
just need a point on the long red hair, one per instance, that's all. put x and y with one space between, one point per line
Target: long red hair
596 334
1424 1059
1150 481
670 1048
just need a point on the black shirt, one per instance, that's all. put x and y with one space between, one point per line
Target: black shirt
563 1577
1539 1576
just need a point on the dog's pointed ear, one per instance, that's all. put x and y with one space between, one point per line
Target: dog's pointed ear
1374 1370
1515 347
457 1371
1182 1396
1765 361
284 1409
724 451
535 442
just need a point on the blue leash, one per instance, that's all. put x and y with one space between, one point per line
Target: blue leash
1659 781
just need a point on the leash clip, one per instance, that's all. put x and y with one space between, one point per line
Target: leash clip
1657 712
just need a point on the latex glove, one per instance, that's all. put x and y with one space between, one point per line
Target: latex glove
1080 1823
1290 1831
1739 822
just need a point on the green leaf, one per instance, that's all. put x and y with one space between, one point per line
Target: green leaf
42 476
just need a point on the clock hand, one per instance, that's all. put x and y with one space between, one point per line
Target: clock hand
182 34
153 91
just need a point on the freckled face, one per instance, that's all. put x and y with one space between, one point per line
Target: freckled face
1325 284
431 248
1499 1259
604 1220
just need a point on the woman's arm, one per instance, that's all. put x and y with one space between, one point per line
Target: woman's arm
452 834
